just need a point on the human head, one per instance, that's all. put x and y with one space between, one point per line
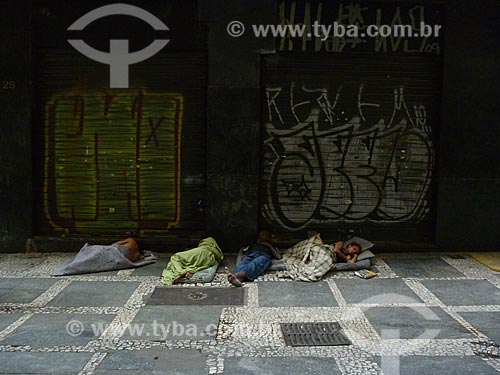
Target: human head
353 248
264 236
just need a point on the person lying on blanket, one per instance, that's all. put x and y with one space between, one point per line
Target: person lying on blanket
256 262
311 259
187 263
131 251
119 255
349 254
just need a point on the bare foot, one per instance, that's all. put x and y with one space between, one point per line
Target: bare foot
177 280
232 278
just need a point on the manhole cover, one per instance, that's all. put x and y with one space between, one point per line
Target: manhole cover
177 295
314 334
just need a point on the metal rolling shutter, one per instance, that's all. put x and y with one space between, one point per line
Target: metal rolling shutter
120 161
349 144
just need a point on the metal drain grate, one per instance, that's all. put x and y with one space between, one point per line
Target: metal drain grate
177 295
314 334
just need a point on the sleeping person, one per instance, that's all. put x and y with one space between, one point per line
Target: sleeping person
129 248
311 259
349 254
187 263
119 255
256 261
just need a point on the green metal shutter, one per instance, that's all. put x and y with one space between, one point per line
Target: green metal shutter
120 161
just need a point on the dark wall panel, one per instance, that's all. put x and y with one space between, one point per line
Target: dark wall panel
471 110
468 215
15 126
233 140
468 197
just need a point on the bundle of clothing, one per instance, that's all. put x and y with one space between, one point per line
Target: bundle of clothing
311 259
189 262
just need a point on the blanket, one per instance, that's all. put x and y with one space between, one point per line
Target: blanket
309 260
205 255
100 258
206 275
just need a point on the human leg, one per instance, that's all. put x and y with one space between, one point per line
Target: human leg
253 265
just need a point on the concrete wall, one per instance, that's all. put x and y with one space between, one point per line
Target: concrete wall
233 119
16 205
468 216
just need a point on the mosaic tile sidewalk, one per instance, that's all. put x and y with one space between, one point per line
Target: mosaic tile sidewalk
423 314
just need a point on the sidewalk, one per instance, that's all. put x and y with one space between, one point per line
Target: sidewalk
424 314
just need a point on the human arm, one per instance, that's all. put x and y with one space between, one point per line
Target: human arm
337 249
275 252
353 258
123 242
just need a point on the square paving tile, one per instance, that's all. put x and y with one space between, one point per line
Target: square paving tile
414 322
17 290
48 330
95 293
42 363
280 366
159 323
154 269
442 365
295 294
188 296
376 291
7 319
486 322
422 267
464 292
155 361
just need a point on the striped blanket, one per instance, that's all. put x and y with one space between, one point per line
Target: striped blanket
309 260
